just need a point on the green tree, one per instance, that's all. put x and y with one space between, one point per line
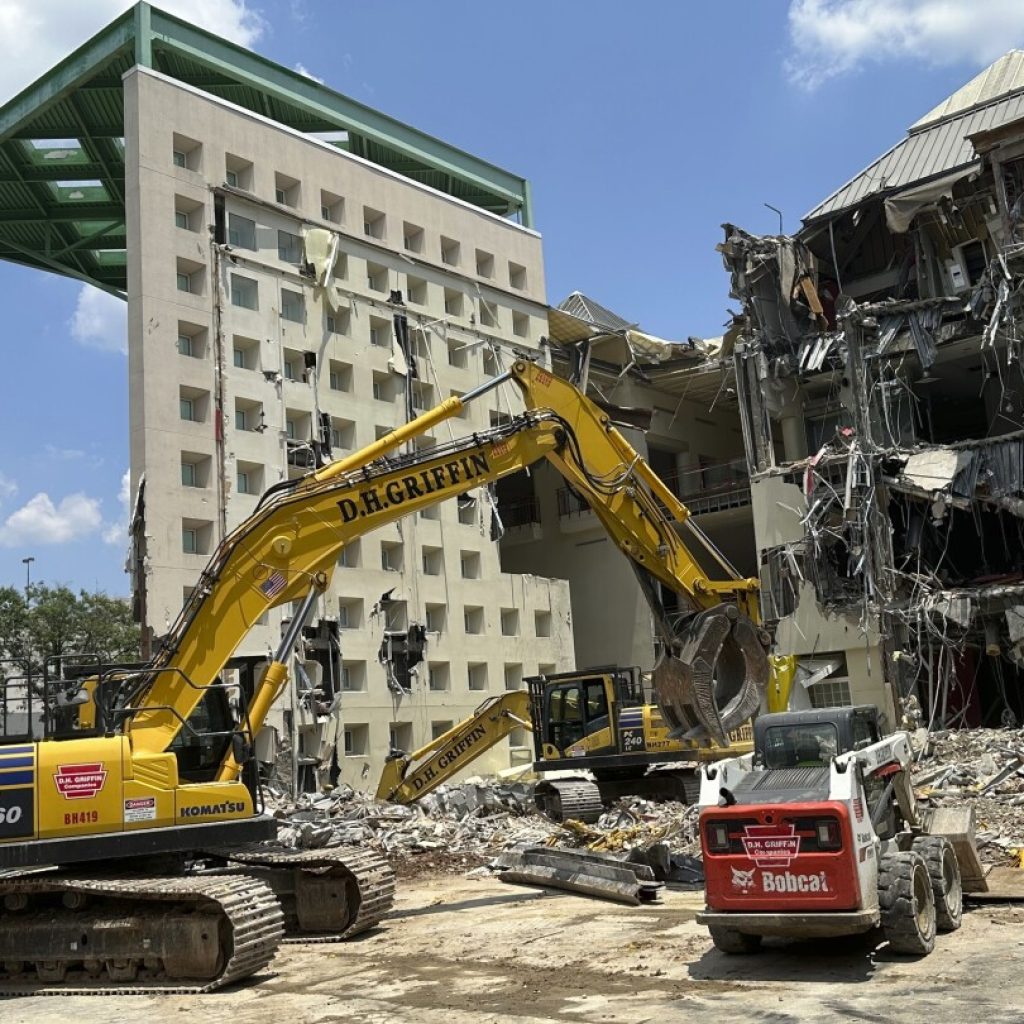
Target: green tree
13 625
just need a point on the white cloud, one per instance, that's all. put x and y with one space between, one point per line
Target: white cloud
36 34
117 531
39 521
835 37
8 488
100 320
303 70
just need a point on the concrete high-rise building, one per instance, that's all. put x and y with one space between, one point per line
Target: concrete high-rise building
221 172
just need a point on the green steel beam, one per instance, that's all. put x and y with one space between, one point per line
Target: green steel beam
302 92
31 257
64 214
83 242
61 80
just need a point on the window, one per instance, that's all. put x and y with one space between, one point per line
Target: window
286 190
356 740
241 232
343 434
292 364
469 562
244 292
376 277
439 677
803 745
332 207
188 474
195 536
238 172
380 333
449 251
289 247
509 621
180 219
293 306
249 477
185 346
353 676
192 404
412 237
391 557
422 398
185 152
396 615
438 729
338 323
189 541
542 623
513 677
350 556
350 612
433 561
188 213
467 510
437 618
374 223
189 276
490 362
520 325
458 354
245 352
416 290
248 414
238 357
400 736
484 263
383 389
290 429
477 676
340 376
473 620
516 275
452 304
488 313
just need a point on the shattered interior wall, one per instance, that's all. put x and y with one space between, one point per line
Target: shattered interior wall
877 359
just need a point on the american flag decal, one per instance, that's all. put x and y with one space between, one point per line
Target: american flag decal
274 585
858 807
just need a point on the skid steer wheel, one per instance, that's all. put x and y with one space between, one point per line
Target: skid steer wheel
728 940
906 903
944 871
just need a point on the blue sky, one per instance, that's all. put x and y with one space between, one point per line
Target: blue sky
640 136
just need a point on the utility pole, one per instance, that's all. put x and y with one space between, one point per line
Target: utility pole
27 562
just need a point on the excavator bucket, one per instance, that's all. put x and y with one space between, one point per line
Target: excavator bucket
711 678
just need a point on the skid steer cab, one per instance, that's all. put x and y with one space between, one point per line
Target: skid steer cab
817 833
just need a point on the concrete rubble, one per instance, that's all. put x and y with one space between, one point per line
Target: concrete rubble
985 767
465 825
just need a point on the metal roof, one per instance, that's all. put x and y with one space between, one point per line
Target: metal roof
62 150
584 308
939 146
1006 75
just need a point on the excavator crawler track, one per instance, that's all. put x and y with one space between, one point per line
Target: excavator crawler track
68 935
327 895
569 800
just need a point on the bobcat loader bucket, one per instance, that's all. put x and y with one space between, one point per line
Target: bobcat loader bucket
712 676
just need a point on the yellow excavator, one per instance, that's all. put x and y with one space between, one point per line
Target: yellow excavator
597 719
163 873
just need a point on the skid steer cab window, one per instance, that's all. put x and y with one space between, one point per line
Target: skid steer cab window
808 745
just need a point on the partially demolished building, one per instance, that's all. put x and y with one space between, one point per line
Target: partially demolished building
877 356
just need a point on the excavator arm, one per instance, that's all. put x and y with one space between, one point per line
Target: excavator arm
288 549
407 777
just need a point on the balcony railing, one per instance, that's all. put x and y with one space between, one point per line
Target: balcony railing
521 512
570 504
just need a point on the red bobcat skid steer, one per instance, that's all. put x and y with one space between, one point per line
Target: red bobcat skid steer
817 833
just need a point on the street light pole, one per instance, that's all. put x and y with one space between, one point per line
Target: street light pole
28 574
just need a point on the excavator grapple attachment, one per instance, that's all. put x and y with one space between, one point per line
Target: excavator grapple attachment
711 678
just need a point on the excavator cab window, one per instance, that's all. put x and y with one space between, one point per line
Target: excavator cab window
575 710
201 747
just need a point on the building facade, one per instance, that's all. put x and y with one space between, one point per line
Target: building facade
244 372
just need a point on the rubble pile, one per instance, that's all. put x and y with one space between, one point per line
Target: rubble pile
459 826
986 767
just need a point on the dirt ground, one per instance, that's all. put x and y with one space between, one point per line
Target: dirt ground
458 950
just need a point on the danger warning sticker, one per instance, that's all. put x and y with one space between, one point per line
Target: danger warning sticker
140 808
80 781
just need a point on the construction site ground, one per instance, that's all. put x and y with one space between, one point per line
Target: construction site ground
457 950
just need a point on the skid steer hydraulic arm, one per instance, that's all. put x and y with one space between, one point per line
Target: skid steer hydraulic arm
709 681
